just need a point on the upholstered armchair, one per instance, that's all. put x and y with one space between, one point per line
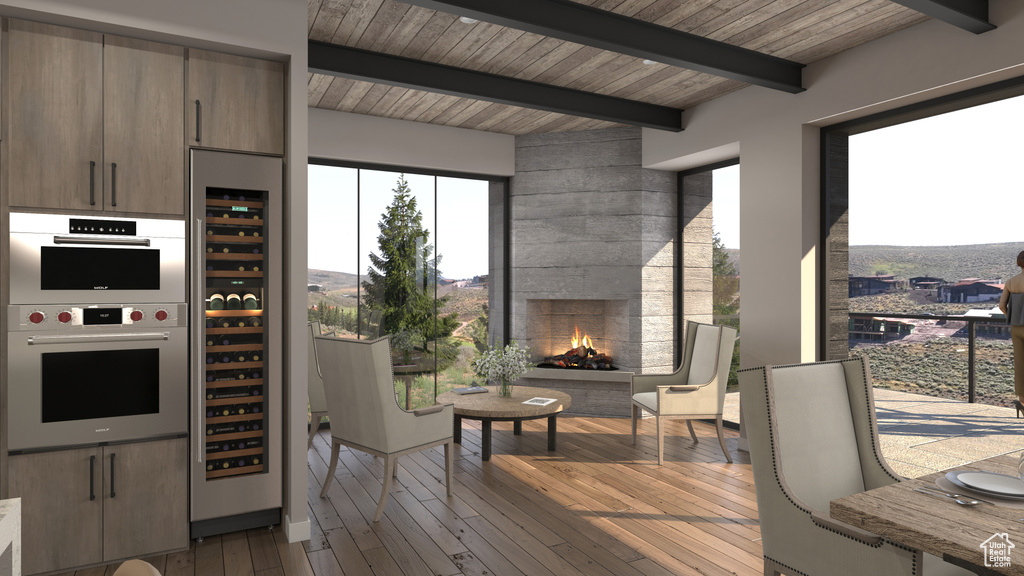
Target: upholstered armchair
365 416
315 386
695 390
813 438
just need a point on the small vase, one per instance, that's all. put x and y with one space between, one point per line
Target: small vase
505 389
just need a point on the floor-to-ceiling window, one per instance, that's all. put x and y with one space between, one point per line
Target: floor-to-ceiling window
405 255
920 233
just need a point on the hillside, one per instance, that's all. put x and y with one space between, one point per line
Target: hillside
951 263
331 281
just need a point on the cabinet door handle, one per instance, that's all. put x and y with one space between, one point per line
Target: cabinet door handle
199 121
112 475
92 183
113 183
92 477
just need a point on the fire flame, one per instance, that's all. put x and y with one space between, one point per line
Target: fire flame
577 341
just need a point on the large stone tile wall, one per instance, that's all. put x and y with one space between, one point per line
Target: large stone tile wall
588 222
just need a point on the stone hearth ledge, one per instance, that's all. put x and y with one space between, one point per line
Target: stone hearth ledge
602 393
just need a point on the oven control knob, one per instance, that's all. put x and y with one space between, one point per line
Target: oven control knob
161 315
64 317
136 315
36 317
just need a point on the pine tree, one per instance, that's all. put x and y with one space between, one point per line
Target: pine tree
402 275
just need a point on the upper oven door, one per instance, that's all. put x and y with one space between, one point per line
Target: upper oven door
56 258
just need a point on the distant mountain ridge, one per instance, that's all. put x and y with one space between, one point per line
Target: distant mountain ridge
951 263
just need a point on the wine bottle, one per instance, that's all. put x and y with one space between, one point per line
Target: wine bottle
225 323
209 249
254 356
241 357
217 301
234 302
249 301
225 428
210 359
255 322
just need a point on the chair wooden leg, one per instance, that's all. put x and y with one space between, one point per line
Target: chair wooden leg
314 427
335 447
721 438
449 465
661 440
689 424
634 412
389 472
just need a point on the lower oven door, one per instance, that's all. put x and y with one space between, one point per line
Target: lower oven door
86 388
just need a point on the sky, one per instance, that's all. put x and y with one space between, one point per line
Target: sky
952 179
459 233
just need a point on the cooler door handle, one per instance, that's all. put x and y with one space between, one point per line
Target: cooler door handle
198 324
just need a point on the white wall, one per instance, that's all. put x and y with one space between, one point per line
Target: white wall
777 138
273 29
360 138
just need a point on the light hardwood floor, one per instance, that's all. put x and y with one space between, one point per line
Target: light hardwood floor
596 506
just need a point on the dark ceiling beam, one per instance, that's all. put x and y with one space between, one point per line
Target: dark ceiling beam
609 31
971 15
357 64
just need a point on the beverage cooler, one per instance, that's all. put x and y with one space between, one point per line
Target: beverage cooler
236 463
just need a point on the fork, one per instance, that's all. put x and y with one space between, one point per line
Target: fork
953 495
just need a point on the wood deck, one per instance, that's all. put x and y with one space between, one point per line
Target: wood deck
596 506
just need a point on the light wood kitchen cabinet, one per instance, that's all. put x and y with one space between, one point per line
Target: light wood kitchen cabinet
55 131
90 505
235 103
96 121
143 86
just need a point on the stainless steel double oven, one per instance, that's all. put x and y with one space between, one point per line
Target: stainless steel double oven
98 330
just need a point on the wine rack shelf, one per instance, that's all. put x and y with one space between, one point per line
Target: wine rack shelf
235 259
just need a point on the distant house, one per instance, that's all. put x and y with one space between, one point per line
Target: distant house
868 285
314 288
999 325
926 282
971 290
879 329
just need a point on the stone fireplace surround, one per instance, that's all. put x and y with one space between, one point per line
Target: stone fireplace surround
594 242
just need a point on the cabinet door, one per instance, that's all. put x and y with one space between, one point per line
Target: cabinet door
240 103
144 120
56 121
60 524
145 498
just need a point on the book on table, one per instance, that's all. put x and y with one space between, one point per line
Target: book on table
469 390
539 401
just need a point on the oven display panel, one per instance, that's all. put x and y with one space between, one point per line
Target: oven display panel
101 316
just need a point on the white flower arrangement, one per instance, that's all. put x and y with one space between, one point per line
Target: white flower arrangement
503 365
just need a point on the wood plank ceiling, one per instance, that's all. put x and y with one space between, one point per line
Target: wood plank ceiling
799 30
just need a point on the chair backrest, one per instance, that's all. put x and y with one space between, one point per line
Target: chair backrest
360 390
707 357
373 323
315 383
812 432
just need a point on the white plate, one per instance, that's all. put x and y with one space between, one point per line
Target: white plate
992 483
951 477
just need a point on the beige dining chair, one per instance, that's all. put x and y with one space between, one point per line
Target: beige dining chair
315 386
365 416
695 390
813 438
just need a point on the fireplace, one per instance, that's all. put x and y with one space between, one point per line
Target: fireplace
552 323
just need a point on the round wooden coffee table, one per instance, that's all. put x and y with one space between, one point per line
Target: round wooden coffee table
488 407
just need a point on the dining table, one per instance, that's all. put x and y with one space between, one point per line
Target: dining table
979 537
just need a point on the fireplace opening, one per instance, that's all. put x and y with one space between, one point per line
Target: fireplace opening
581 355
